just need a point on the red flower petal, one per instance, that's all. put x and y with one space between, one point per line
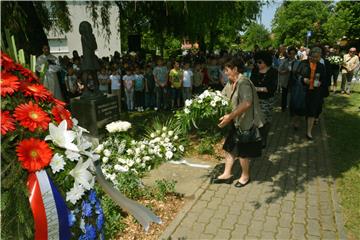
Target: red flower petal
34 154
28 74
9 83
32 116
60 114
37 91
57 101
7 122
5 58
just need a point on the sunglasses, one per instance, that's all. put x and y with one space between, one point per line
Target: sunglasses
259 62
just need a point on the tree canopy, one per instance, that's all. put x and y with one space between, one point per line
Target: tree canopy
215 24
26 20
328 21
293 19
256 34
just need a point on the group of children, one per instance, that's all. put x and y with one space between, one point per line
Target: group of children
156 84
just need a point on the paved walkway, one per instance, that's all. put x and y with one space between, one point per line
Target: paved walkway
292 195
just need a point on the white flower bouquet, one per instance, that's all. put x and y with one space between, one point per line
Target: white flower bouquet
121 154
74 155
336 60
203 111
118 126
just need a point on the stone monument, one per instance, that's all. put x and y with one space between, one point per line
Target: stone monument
89 63
93 109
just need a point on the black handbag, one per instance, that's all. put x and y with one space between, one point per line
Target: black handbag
253 134
248 136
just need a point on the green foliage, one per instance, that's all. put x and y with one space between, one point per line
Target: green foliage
352 8
162 188
294 18
206 146
113 217
338 25
327 21
28 19
342 117
114 222
16 215
256 34
129 183
217 23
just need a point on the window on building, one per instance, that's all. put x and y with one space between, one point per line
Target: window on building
58 45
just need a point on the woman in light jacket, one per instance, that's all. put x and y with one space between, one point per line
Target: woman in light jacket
244 115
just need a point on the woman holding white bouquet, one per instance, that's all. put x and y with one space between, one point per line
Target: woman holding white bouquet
245 117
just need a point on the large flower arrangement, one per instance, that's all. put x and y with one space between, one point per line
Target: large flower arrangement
203 111
121 155
42 146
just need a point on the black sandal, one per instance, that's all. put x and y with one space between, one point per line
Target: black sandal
240 185
225 180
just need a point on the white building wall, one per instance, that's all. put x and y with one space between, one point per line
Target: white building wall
65 44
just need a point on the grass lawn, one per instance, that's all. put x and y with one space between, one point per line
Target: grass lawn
342 119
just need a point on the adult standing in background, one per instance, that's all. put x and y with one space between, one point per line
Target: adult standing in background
265 79
50 64
351 61
313 75
285 69
335 68
302 54
326 81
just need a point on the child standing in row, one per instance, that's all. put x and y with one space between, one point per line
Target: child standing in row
115 79
139 90
128 81
187 82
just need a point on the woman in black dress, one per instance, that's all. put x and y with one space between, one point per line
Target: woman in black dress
265 79
313 76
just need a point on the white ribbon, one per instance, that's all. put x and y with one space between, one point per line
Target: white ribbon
183 161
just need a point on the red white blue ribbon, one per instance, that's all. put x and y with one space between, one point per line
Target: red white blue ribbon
48 207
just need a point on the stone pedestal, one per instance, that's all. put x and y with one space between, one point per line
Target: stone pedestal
94 114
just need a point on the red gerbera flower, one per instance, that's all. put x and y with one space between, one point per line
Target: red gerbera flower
6 62
5 58
31 116
38 91
7 122
60 114
9 83
34 154
28 74
57 101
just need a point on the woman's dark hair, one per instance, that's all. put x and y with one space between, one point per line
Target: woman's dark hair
265 56
291 48
235 62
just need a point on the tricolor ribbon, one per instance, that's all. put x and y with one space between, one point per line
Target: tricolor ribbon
48 207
